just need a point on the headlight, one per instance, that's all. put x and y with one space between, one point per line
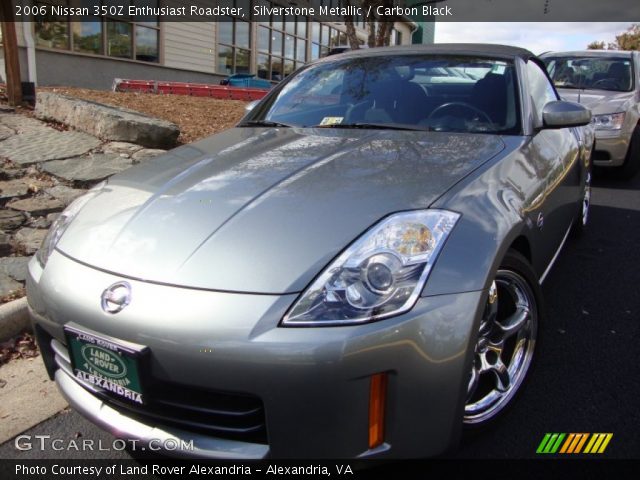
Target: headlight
62 222
380 275
612 121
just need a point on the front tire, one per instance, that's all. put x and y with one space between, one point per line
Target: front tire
506 341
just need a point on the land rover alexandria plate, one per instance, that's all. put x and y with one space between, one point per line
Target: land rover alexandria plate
107 365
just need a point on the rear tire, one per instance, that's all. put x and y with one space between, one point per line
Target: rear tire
504 348
632 162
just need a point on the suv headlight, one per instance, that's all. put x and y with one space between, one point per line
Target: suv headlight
378 276
62 223
610 121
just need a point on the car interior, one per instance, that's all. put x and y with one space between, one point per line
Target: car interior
596 73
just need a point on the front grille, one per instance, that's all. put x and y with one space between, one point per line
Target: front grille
219 414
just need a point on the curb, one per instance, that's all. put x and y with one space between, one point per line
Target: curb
14 317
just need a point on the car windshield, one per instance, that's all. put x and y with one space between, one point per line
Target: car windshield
411 92
600 73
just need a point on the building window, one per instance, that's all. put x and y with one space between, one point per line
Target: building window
146 42
101 35
52 31
119 39
234 39
323 38
87 36
396 37
281 44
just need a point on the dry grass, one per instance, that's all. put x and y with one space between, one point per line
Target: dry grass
197 117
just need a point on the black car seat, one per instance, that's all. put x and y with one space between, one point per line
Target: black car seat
619 72
490 95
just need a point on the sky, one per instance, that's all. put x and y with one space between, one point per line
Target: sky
537 37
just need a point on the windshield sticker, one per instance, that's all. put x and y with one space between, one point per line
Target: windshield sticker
331 121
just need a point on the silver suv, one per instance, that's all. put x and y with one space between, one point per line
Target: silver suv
608 82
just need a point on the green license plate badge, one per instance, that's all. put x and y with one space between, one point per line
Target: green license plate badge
108 365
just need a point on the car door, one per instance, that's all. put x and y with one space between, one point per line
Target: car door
555 155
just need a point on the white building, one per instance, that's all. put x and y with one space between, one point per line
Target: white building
90 52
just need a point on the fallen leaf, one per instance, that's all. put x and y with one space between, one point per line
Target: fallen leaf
22 346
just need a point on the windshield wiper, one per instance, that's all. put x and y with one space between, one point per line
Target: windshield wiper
263 123
378 126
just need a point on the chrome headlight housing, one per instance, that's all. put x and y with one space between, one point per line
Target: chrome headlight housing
62 223
380 275
610 121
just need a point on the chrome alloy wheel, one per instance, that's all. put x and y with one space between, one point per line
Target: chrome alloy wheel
504 348
586 200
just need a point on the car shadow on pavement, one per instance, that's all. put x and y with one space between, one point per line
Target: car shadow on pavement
611 178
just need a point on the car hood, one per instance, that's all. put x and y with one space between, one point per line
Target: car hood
263 210
599 101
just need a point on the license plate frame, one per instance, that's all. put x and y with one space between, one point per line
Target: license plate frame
108 365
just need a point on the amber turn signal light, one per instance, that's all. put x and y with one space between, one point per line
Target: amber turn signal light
377 401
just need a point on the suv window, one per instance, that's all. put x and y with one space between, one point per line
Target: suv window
600 73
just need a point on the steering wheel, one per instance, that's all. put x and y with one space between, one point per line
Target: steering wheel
355 107
463 105
607 81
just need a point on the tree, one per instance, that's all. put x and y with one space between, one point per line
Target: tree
352 37
629 40
379 27
596 45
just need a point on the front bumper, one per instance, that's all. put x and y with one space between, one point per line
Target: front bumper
312 382
611 148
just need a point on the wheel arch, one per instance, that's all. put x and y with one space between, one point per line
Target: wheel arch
461 268
523 247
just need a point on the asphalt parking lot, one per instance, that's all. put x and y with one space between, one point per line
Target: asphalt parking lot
586 378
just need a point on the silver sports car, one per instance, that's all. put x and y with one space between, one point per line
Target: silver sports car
352 271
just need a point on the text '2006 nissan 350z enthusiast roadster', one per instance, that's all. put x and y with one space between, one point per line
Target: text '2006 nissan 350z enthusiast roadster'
352 271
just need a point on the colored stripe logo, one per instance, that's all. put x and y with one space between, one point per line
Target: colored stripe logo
574 443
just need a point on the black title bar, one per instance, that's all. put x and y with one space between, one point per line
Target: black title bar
334 10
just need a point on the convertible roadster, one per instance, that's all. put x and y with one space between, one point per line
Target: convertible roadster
352 271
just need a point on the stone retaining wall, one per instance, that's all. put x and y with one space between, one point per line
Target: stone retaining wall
106 122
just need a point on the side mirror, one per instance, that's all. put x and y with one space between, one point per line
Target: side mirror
250 106
561 114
